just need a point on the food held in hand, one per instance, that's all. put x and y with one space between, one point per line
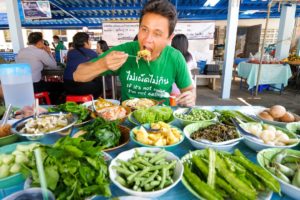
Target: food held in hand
146 54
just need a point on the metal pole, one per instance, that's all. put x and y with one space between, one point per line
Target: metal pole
262 49
103 87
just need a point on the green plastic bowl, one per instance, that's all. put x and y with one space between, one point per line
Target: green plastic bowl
169 147
8 139
264 157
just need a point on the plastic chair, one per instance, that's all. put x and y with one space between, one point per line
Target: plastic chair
43 96
79 99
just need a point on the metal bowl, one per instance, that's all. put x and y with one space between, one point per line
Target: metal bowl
17 126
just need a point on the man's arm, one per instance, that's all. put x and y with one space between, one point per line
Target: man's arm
88 71
48 59
187 96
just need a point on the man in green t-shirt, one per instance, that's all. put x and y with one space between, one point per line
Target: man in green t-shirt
151 76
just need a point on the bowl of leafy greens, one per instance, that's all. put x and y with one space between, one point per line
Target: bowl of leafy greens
106 134
152 115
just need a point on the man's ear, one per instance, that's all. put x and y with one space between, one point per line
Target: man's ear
170 38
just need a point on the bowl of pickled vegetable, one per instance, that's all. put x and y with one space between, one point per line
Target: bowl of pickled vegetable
210 134
35 128
146 172
187 116
284 165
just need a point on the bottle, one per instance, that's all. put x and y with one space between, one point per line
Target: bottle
16 81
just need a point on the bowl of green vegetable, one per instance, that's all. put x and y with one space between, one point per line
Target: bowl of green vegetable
187 116
162 172
11 158
284 165
210 134
151 115
211 174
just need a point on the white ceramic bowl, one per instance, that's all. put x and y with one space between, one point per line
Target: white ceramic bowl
189 129
186 122
264 157
126 155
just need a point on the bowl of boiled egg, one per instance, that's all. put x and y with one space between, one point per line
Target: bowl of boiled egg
259 136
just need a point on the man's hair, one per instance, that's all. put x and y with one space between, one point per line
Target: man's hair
55 37
79 39
163 8
34 38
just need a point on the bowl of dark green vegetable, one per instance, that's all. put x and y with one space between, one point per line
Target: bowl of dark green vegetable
146 172
211 174
209 134
187 116
284 165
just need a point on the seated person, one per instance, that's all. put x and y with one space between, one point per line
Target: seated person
81 53
39 57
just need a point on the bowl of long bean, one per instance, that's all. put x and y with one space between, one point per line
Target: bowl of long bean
146 172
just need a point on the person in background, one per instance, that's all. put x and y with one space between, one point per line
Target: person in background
58 45
39 57
101 48
181 43
81 53
70 46
153 75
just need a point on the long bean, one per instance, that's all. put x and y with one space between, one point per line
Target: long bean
262 174
201 187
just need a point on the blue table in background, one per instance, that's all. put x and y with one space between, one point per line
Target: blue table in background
179 191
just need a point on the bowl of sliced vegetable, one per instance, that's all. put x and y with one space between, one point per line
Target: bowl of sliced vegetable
158 134
11 158
152 115
284 165
259 136
160 173
35 128
210 134
191 115
211 174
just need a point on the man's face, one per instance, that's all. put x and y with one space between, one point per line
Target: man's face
154 34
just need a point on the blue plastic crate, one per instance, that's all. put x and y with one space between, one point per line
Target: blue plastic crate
261 88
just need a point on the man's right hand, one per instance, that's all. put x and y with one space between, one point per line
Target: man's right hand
114 60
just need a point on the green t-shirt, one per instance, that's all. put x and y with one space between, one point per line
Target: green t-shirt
148 80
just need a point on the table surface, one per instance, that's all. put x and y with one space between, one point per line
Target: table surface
179 191
270 73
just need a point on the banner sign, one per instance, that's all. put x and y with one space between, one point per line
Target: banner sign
36 9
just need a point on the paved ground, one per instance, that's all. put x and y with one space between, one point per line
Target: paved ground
290 98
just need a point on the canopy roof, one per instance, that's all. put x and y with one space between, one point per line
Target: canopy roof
92 13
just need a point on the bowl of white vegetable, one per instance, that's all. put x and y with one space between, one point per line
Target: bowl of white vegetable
35 128
11 158
260 136
163 170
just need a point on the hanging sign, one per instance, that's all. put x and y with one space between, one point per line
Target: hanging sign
36 9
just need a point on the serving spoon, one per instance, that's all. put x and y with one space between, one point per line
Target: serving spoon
6 115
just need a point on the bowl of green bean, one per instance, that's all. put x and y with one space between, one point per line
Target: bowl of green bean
146 172
187 116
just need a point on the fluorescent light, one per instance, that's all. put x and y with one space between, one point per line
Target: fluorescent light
211 3
250 12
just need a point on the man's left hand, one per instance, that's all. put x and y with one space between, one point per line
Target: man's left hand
186 98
